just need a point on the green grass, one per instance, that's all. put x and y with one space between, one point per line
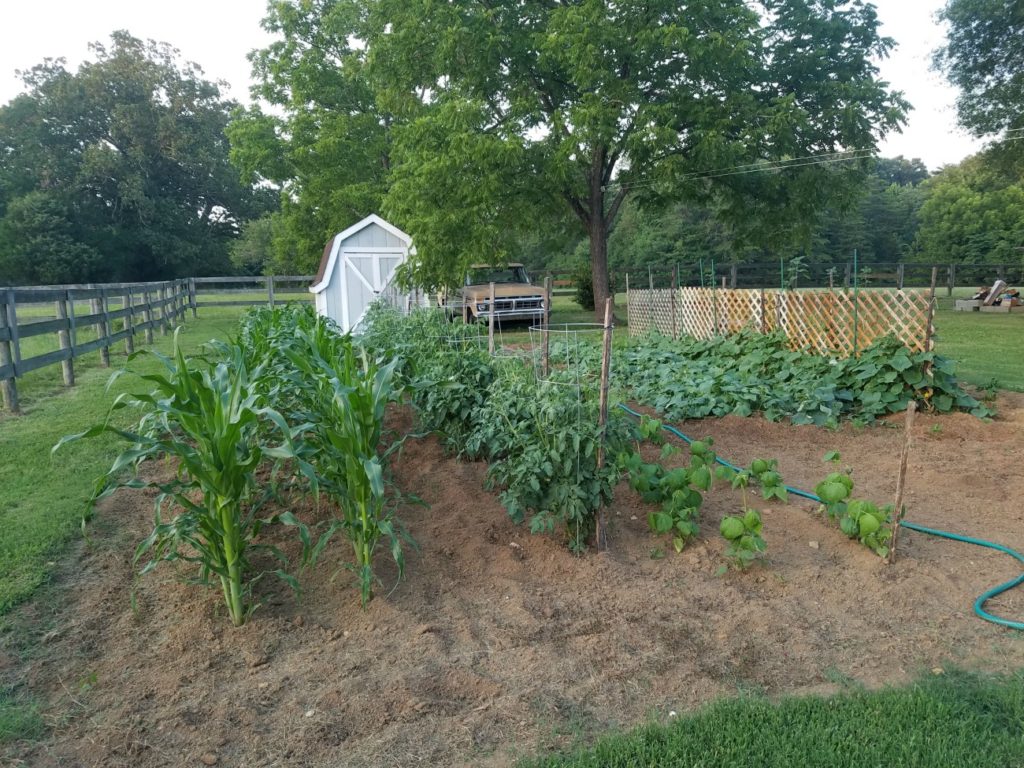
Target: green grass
956 720
986 345
42 497
19 719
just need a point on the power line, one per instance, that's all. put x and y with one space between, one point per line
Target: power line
761 167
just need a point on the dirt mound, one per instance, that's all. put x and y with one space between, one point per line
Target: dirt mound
499 643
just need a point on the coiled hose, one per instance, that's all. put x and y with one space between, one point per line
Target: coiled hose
979 604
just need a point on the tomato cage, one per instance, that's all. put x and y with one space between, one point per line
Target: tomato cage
568 354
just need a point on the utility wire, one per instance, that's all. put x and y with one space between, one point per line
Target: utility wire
762 167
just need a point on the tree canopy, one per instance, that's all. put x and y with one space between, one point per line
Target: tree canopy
566 109
984 58
974 213
326 146
118 171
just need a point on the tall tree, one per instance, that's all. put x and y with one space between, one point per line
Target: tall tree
125 163
984 58
974 213
537 110
326 145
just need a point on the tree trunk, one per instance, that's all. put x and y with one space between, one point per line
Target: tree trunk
598 232
599 265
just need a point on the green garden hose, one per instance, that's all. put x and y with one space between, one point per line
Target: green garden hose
979 604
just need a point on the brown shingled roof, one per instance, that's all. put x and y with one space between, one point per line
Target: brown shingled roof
323 262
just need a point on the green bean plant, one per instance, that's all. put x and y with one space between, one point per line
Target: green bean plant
743 532
858 518
346 397
206 416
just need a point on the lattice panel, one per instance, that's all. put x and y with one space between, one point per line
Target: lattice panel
902 313
828 321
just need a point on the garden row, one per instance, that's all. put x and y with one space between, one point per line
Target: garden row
292 409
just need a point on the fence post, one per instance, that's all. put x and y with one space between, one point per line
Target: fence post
105 325
951 284
128 302
929 332
192 297
8 386
627 303
147 314
764 314
163 309
490 325
675 290
899 275
270 289
546 363
64 337
732 277
846 276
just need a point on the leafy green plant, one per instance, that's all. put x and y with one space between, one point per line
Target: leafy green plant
677 490
858 518
207 417
744 536
345 398
750 372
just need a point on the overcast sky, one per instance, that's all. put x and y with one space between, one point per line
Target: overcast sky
217 34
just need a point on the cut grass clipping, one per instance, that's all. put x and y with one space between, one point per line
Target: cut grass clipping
950 721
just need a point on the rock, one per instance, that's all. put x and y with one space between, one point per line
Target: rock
812 544
298 621
208 758
310 712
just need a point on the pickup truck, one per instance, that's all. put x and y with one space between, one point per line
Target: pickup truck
515 297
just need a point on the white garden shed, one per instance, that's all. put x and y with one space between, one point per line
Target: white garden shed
357 267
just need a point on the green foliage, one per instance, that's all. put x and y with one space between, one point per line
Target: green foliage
135 184
345 397
583 280
744 537
858 518
984 59
539 438
974 213
677 490
751 372
326 148
207 416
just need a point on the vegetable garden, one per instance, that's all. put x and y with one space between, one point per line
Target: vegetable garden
457 494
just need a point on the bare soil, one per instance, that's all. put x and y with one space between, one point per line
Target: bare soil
500 644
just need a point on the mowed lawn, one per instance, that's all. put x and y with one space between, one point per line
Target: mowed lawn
42 496
987 346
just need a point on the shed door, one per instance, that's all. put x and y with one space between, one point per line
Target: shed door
364 274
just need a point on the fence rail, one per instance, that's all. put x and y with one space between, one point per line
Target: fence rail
826 321
117 312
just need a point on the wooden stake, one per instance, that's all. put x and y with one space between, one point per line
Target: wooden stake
490 325
546 364
601 527
901 478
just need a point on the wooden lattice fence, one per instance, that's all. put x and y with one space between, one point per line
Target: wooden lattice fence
829 322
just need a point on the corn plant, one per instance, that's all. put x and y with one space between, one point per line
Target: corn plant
346 398
204 415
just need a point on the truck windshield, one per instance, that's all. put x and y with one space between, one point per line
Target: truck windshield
485 275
